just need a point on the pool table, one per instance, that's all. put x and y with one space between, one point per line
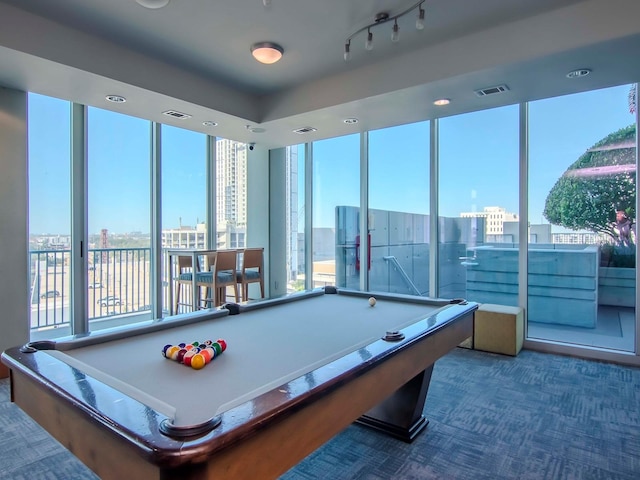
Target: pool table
297 370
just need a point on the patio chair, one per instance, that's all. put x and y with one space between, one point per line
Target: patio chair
252 271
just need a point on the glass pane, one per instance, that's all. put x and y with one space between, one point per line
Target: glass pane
478 202
119 217
184 198
582 194
336 200
399 209
295 160
49 215
231 194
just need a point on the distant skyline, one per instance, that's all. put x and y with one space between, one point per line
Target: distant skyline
478 151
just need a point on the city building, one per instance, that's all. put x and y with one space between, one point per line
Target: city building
185 237
495 218
231 193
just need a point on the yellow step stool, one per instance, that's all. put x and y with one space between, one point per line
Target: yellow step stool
498 329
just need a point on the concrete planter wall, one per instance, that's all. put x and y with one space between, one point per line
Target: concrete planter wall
563 287
617 286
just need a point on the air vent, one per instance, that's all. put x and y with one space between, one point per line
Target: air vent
176 114
305 130
483 92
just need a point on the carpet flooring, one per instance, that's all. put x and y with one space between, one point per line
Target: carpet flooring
535 416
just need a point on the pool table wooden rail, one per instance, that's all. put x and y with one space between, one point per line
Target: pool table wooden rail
118 437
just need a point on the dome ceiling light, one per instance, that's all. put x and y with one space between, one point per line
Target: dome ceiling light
267 52
153 4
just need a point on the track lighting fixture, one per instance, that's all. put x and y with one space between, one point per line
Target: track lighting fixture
384 17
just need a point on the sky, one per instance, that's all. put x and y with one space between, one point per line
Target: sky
118 171
478 163
479 157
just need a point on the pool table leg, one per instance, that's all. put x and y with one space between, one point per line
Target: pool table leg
400 415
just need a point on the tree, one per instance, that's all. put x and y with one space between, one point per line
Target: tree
601 182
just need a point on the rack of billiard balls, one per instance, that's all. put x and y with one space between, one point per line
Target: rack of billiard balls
195 355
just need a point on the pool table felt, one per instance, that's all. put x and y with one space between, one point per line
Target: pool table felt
266 348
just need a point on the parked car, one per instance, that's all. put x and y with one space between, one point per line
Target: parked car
50 294
95 285
109 301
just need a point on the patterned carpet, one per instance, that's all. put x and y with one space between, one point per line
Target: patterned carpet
536 416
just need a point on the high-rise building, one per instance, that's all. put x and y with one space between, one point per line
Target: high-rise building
291 161
231 193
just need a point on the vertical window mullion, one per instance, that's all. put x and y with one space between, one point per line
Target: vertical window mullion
79 309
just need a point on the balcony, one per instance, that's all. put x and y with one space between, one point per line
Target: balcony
118 288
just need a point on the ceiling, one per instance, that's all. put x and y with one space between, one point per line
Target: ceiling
193 56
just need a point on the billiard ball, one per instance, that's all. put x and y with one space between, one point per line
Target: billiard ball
207 354
198 361
188 356
180 355
217 347
372 301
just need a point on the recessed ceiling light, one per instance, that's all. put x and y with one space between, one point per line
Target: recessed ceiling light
581 72
153 4
350 121
116 98
209 123
267 52
442 101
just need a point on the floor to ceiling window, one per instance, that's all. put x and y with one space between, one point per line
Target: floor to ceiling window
399 209
582 196
336 200
184 198
478 206
49 214
118 166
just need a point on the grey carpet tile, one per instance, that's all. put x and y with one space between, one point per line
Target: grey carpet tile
535 416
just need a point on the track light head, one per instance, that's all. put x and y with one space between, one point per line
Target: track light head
368 45
420 20
395 35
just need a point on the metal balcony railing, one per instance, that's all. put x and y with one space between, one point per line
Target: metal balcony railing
118 283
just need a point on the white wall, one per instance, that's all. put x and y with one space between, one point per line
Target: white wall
258 210
14 283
